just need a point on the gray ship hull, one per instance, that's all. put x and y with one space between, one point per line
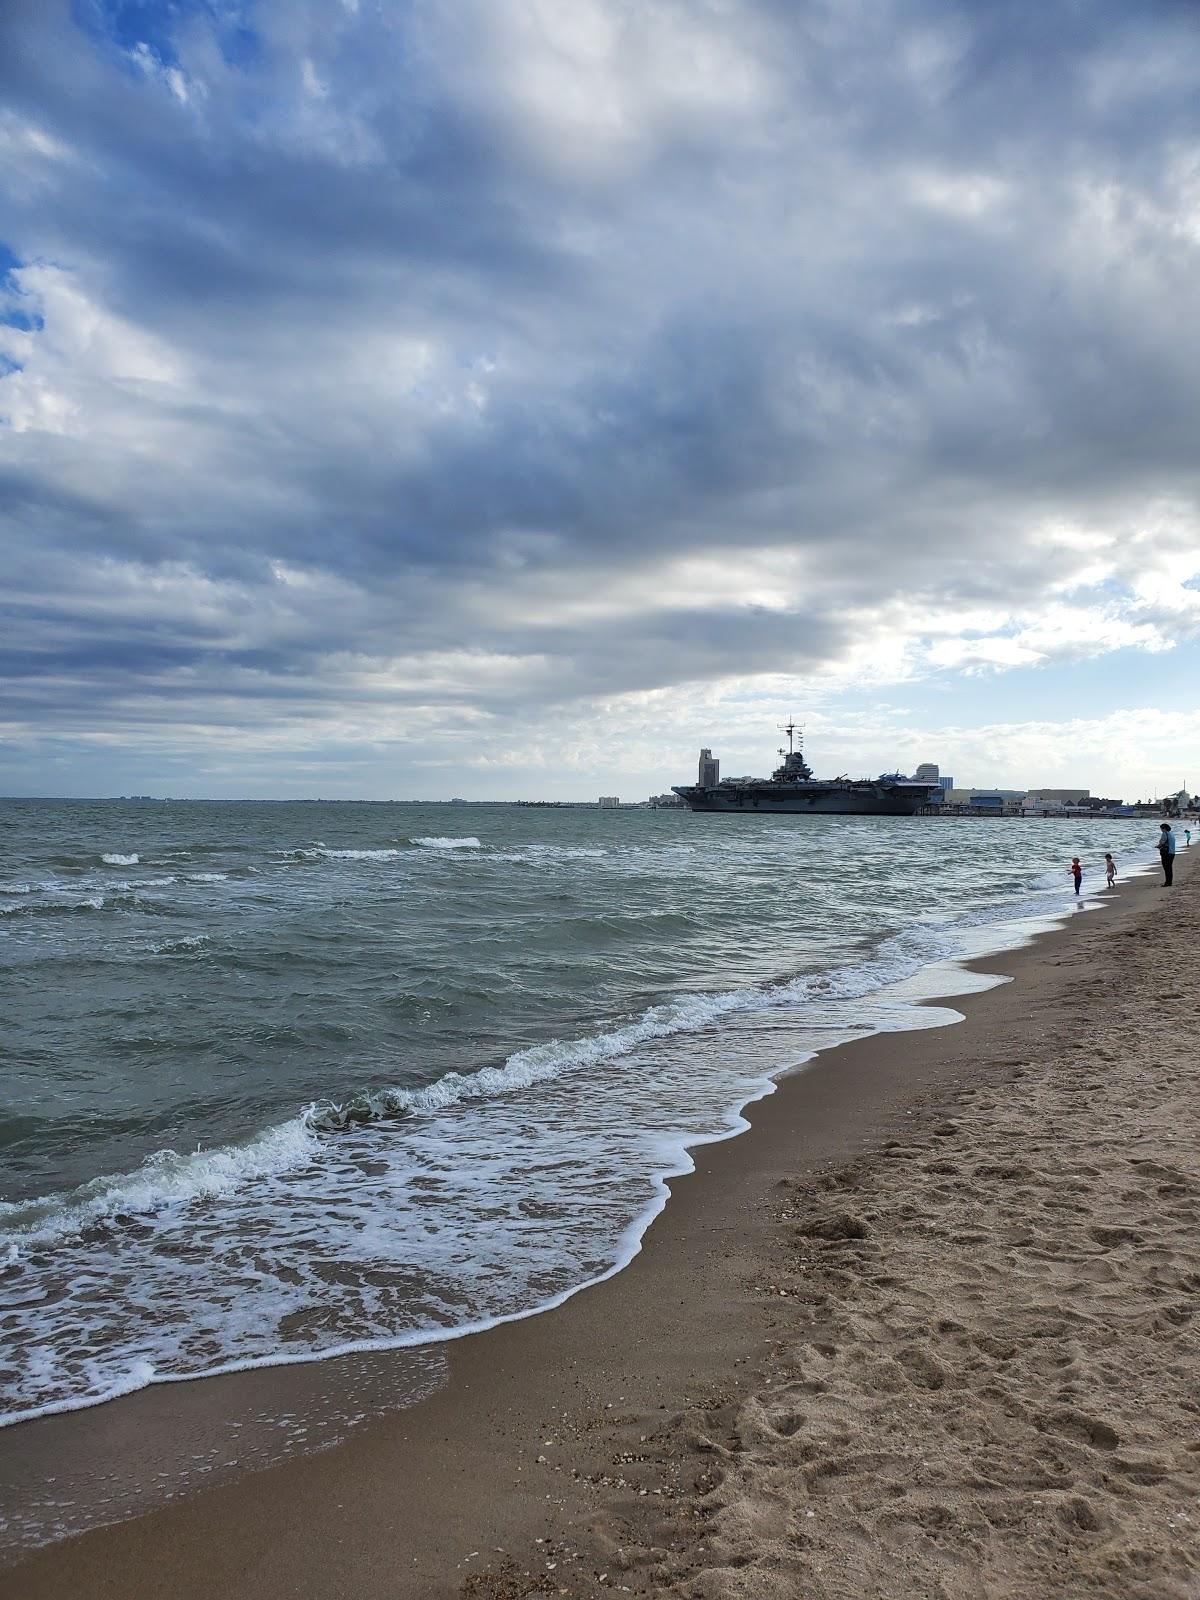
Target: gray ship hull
810 799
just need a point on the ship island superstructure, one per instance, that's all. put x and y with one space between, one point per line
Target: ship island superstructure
792 789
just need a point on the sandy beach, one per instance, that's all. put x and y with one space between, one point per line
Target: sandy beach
926 1330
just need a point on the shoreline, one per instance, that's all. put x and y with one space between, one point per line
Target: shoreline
730 1122
734 1126
557 1375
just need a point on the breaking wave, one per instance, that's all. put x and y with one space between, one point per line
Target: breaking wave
165 1179
356 855
181 947
53 908
526 1067
319 851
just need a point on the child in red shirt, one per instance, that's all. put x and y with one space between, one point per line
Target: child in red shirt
1076 872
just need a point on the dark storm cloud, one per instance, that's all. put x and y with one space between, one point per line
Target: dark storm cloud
352 340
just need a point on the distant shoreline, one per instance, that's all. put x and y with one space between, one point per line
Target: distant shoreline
939 812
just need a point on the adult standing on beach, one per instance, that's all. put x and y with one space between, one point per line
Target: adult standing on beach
1166 853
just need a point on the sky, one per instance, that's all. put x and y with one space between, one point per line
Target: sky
505 398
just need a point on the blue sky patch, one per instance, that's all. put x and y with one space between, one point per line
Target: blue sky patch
156 24
14 315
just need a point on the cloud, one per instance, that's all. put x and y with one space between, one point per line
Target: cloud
366 365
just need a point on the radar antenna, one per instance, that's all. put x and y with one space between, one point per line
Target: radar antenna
789 727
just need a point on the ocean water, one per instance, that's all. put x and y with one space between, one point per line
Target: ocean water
284 1080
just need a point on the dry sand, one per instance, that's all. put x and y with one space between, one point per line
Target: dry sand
927 1330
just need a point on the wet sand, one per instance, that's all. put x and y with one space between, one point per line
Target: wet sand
927 1329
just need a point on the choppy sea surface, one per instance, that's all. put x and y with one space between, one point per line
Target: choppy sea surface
283 1080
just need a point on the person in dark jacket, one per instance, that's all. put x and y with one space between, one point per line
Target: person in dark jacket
1166 853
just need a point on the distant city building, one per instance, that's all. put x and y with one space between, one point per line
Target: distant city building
929 772
966 797
609 802
666 802
710 770
1056 797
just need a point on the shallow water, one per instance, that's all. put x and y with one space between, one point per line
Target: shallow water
284 1079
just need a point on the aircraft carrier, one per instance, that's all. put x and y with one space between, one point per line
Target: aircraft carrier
792 789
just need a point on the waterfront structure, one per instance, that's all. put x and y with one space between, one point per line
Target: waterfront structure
791 788
965 797
609 802
1056 797
710 770
929 772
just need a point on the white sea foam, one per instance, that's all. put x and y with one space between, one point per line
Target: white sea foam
181 947
165 1179
437 842
356 855
119 861
321 852
207 877
536 854
16 888
139 1375
538 1064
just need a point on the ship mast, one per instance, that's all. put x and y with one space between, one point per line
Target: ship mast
789 727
